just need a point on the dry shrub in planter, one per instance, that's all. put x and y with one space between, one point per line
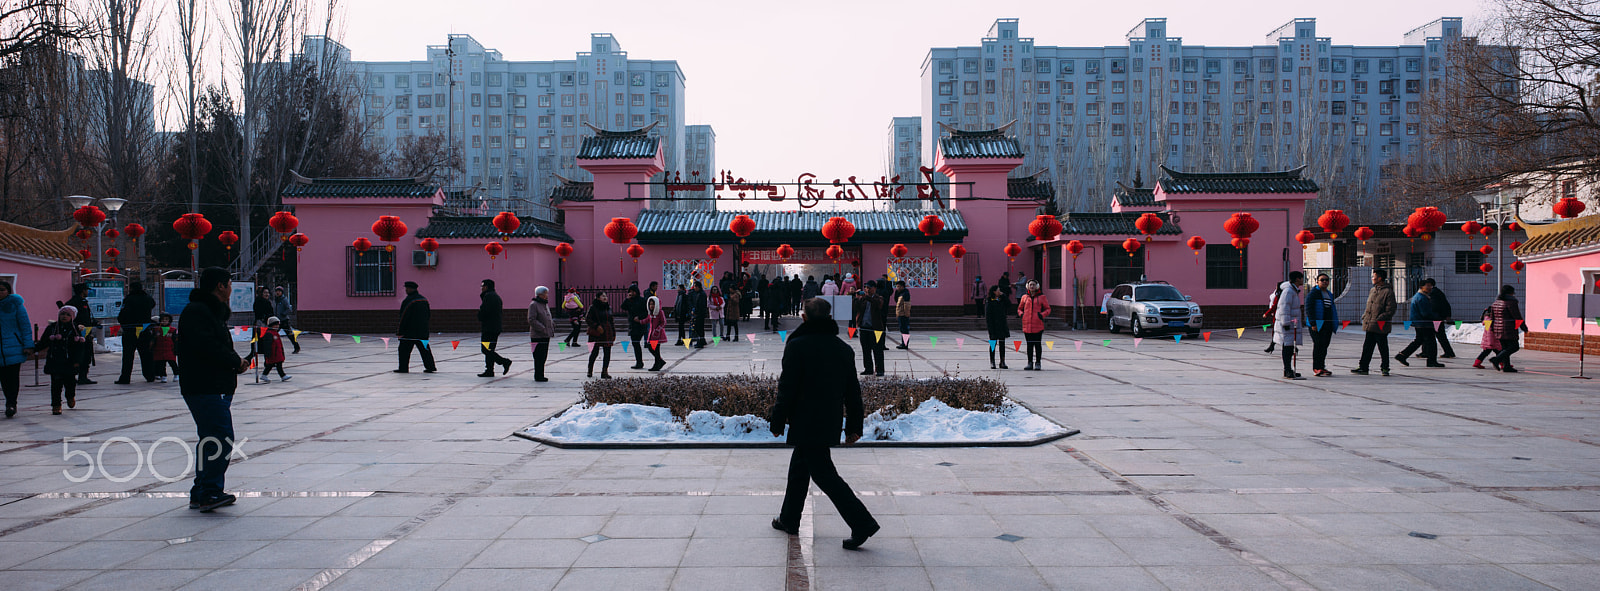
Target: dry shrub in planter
742 394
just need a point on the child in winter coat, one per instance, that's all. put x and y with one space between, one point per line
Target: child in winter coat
716 305
62 347
1490 343
270 345
162 342
573 306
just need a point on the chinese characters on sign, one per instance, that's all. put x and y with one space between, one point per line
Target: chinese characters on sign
808 190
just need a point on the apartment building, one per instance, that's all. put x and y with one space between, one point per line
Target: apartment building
904 155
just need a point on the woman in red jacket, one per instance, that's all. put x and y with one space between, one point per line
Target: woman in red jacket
1033 309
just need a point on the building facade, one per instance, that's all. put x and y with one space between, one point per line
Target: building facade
1093 116
518 124
904 155
700 164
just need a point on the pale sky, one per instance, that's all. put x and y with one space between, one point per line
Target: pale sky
810 87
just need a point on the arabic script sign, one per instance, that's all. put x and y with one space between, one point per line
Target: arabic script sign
808 189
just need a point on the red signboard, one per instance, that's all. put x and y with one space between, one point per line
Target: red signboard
802 256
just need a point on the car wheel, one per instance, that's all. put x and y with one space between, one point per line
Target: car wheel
1135 328
1111 322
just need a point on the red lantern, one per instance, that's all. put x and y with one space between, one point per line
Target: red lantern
621 230
1332 221
1514 244
506 222
834 252
1569 207
1486 267
635 251
1486 249
85 253
1241 243
1486 230
957 251
192 226
714 251
228 239
429 244
1426 219
1241 225
299 240
1471 228
284 223
389 228
1518 266
1012 250
134 231
1196 243
1411 231
1075 247
742 226
785 251
838 230
361 245
84 234
1513 227
1045 227
563 250
1148 224
1305 237
1131 245
113 270
931 225
89 216
898 250
494 249
1364 234
113 253
112 233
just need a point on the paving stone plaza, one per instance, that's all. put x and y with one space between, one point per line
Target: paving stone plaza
1198 467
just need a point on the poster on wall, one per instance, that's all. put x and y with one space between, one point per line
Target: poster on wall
243 298
174 296
105 297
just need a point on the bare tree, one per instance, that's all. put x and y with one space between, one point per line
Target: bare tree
29 24
191 41
429 156
258 32
123 110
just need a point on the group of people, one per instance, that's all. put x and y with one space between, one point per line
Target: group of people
1295 309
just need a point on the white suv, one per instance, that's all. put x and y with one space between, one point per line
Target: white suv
1149 307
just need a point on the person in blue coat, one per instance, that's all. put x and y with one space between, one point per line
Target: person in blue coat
1322 317
1422 319
16 344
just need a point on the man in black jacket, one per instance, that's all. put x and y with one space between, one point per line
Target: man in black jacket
869 319
210 367
136 308
262 306
414 316
84 319
1441 312
490 310
817 391
698 311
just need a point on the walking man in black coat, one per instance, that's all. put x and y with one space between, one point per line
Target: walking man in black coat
210 370
135 314
1442 312
85 319
414 317
817 391
490 310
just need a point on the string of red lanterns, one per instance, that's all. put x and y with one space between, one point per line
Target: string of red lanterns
1332 221
390 229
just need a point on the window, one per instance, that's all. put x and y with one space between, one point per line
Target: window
1413 86
544 121
424 122
1191 66
477 78
1413 128
1288 86
1385 108
1268 66
1413 108
1067 66
375 101
402 123
1066 87
1338 107
566 121
1091 67
1413 64
519 101
1361 129
1385 66
402 101
494 120
370 273
519 80
1338 66
1385 129
946 88
662 81
1226 266
544 100
1091 88
1055 257
663 100
676 272
1117 109
496 79
1385 87
988 87
424 80
1117 67
1266 129
520 121
920 272
1213 87
1467 262
945 110
988 62
1118 267
1091 109
477 120
1266 107
494 101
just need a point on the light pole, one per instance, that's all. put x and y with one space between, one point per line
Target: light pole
1493 203
112 204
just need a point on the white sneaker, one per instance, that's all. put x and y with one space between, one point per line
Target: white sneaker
161 379
174 379
287 378
265 379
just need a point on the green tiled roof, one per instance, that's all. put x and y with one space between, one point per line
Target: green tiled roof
635 143
1116 224
1287 181
1029 188
360 187
794 227
572 191
483 227
980 144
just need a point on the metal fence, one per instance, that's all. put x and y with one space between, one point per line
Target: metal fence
1469 293
614 293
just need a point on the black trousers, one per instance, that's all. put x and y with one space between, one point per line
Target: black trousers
815 464
700 331
577 327
541 352
62 383
489 356
11 383
267 368
213 422
1427 340
1288 359
139 348
88 356
283 323
1507 347
605 365
638 353
1035 345
1443 336
1379 340
406 345
1320 338
871 351
997 345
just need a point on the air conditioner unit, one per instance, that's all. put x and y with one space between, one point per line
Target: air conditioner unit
423 258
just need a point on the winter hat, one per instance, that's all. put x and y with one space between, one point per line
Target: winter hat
271 320
71 311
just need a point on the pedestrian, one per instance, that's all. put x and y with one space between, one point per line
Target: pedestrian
870 330
848 286
902 313
681 309
1272 311
86 323
1287 318
997 312
572 306
63 351
16 344
1441 313
211 369
270 344
698 309
714 305
829 288
979 294
747 300
282 308
797 290
1422 323
134 316
602 334
633 307
651 291
1375 321
655 330
542 328
1005 285
163 346
1322 317
415 315
730 318
1034 308
817 394
811 289
771 304
491 309
1021 285
1489 341
1506 322
262 306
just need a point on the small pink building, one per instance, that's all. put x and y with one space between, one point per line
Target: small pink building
40 265
1563 258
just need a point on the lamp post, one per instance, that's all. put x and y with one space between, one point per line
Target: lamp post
1499 205
111 205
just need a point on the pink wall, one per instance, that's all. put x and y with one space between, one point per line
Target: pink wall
990 222
40 287
463 265
1549 282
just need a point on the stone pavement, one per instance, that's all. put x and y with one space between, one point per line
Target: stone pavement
1197 468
